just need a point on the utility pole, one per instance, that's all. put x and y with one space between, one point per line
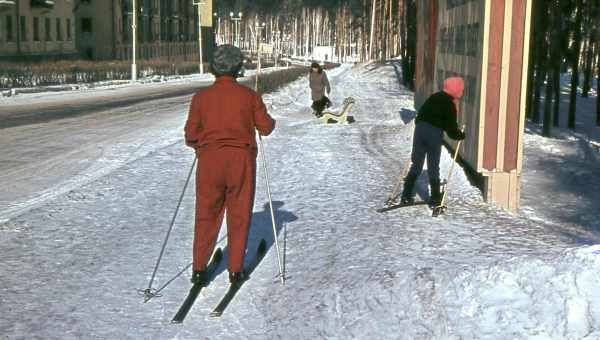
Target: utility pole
134 44
199 3
218 30
372 31
259 28
18 30
276 34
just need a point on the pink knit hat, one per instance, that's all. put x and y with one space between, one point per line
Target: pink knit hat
454 86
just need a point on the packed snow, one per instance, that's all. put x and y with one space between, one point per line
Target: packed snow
74 256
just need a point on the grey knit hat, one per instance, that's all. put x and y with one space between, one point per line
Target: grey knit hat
227 60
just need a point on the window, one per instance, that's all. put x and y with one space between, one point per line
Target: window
59 36
48 29
68 29
36 29
125 28
151 31
459 48
23 28
141 29
9 28
473 39
86 25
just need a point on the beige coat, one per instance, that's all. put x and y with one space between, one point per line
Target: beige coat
318 84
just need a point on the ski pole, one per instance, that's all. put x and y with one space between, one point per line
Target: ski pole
148 294
266 173
441 206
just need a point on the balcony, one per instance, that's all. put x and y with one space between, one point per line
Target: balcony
42 3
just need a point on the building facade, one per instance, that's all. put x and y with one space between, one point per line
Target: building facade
166 29
36 29
486 43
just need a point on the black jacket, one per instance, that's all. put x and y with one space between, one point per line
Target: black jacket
439 111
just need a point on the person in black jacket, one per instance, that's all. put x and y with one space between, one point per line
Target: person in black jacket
437 115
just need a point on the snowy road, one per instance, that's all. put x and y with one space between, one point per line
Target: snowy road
50 147
31 109
71 266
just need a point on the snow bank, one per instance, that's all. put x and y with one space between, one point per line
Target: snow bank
529 298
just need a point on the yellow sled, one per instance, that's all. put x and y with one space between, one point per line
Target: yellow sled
342 117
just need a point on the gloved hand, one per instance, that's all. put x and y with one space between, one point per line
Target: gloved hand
460 135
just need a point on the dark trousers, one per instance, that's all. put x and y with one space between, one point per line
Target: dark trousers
427 143
321 104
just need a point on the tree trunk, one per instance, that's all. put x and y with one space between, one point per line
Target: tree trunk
541 56
549 93
557 58
547 126
588 68
575 66
588 49
534 55
537 96
598 86
372 32
411 43
557 87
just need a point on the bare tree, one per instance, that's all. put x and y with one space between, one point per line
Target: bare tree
576 50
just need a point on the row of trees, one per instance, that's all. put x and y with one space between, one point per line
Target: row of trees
357 30
565 37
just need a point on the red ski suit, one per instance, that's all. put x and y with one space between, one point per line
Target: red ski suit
221 127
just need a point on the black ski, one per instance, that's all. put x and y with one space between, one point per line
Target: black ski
400 205
196 288
235 287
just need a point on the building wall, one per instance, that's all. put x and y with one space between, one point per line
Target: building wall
96 32
485 42
29 31
166 29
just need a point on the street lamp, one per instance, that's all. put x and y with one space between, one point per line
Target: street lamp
275 45
218 30
236 20
259 28
199 3
134 43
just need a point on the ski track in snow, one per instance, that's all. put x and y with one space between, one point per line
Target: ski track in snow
71 265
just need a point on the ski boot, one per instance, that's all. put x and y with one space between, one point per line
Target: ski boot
237 277
200 277
407 200
435 198
435 201
407 197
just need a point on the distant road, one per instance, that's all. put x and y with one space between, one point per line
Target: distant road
53 106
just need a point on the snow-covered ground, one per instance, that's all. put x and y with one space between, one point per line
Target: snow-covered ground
72 261
562 173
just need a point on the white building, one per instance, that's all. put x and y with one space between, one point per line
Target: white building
323 53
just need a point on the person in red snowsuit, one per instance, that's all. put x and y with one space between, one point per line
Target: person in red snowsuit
221 128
